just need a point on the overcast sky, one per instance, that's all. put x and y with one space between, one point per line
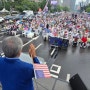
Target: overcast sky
77 1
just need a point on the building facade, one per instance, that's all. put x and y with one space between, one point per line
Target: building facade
70 4
87 1
66 3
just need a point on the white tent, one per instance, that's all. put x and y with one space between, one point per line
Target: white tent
4 11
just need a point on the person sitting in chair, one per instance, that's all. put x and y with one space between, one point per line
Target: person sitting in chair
83 41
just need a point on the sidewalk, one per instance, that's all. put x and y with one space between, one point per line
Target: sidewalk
50 84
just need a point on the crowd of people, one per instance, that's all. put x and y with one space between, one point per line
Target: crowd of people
16 74
74 27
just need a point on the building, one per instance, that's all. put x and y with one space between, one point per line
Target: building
87 1
70 4
66 3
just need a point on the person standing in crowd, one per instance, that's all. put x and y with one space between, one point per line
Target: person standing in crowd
14 73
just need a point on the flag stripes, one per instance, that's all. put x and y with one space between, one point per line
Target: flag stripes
41 71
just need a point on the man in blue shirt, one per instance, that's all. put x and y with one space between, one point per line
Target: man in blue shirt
14 73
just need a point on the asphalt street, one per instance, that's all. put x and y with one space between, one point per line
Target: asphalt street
65 64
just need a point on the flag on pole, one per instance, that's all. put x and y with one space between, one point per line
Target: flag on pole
41 71
46 7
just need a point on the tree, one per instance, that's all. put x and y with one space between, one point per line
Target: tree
88 9
65 8
21 5
49 6
59 8
26 5
42 4
1 6
19 8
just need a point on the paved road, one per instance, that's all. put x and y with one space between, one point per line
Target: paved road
66 64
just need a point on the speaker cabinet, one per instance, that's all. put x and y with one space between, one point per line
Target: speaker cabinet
76 83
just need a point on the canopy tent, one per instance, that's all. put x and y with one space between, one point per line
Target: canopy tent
4 11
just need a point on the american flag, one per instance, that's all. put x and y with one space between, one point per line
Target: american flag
45 10
41 71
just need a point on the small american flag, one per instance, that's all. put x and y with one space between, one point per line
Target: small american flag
41 71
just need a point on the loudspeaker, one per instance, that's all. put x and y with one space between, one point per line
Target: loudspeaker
76 83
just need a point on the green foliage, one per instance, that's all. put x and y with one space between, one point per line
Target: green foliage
59 8
21 5
49 6
88 9
1 6
52 10
65 8
19 8
42 4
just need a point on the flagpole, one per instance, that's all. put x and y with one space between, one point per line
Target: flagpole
46 5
